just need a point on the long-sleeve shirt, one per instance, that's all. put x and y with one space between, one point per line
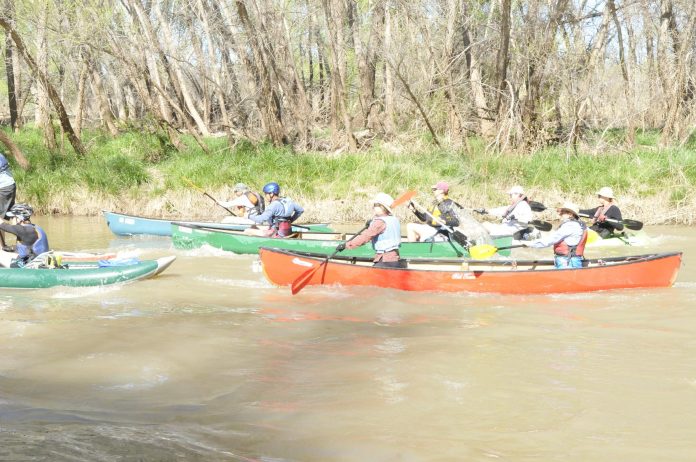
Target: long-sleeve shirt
376 228
570 231
521 214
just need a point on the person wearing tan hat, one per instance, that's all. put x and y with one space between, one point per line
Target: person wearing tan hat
515 216
568 240
384 231
442 208
607 208
254 198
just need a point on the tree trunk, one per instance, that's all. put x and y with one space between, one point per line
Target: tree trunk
53 95
14 150
9 68
42 115
80 105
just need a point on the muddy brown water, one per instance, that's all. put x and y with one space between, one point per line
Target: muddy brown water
210 362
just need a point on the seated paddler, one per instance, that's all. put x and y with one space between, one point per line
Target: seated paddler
31 239
384 232
280 213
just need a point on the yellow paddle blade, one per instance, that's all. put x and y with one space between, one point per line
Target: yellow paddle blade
482 251
593 236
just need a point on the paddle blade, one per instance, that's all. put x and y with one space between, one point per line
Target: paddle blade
537 206
405 197
193 185
635 225
460 238
593 236
299 283
482 251
541 225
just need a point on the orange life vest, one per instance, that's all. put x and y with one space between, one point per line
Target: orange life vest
561 248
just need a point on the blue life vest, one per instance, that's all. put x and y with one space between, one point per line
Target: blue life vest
38 247
390 238
4 164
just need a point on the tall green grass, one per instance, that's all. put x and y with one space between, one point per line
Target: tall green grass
138 163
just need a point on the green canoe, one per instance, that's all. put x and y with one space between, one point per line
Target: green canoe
82 274
191 237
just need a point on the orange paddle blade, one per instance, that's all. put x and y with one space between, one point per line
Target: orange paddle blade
405 197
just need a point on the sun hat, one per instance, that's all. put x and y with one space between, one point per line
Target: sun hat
606 192
570 207
241 187
516 190
442 186
384 200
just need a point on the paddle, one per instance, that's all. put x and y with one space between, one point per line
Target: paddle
484 251
541 225
635 225
459 237
536 207
205 193
299 283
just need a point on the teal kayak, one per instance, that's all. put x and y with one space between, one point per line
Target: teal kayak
82 274
189 237
123 224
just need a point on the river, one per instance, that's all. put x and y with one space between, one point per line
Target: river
210 362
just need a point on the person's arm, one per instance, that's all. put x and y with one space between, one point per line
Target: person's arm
558 235
589 212
376 228
298 211
498 211
267 214
614 213
25 234
420 215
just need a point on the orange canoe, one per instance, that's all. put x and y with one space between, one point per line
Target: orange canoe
284 268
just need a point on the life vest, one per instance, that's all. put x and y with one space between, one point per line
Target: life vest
445 212
390 238
563 249
4 164
599 212
281 223
257 201
38 247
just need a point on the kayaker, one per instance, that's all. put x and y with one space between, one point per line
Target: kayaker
280 213
607 209
384 232
254 204
8 191
568 239
31 238
515 217
442 208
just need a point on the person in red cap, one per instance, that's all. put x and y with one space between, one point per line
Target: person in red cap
443 208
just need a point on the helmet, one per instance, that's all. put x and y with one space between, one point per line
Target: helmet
385 200
21 211
271 188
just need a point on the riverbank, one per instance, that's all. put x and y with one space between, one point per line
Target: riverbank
135 173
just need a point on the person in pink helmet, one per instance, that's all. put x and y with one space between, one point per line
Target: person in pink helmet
442 208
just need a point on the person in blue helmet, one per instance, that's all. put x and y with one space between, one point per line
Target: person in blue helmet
280 213
8 191
31 239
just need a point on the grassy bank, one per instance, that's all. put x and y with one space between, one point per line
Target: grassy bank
137 173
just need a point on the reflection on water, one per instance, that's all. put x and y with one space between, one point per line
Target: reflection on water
210 362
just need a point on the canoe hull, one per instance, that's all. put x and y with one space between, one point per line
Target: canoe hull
188 237
130 225
81 274
657 270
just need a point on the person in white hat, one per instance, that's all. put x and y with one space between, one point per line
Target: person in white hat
258 205
568 239
607 209
442 208
384 231
515 216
